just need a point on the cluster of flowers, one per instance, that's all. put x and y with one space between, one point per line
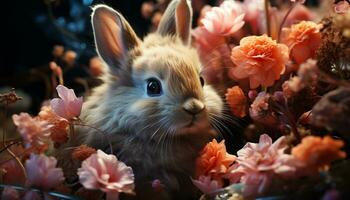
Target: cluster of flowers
266 60
257 164
54 126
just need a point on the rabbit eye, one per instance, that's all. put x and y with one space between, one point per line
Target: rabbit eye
202 81
154 87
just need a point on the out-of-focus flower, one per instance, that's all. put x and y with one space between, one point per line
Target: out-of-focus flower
68 105
57 70
96 66
214 160
298 14
147 9
69 58
260 105
342 7
9 194
206 184
206 41
318 153
33 131
204 10
224 20
57 51
157 185
237 101
260 59
254 10
292 86
42 172
82 152
59 125
105 172
303 39
259 162
307 76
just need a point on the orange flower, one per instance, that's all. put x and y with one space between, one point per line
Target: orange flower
303 39
59 128
237 101
214 159
317 152
82 152
260 59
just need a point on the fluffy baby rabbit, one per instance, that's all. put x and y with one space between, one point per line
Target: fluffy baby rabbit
153 106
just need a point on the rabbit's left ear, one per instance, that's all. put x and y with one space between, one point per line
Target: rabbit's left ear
177 20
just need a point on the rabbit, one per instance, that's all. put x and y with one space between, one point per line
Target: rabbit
153 108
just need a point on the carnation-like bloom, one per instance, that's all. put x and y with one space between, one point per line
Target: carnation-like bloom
42 172
206 184
59 125
318 153
68 105
214 160
260 59
105 172
259 163
237 101
33 131
224 20
303 39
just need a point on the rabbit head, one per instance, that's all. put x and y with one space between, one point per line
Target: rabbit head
153 88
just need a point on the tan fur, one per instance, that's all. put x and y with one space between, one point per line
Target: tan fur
150 133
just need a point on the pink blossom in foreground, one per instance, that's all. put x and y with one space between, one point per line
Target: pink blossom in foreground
33 131
259 162
224 20
68 105
206 184
105 172
42 172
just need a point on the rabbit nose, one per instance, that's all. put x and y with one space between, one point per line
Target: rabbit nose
193 106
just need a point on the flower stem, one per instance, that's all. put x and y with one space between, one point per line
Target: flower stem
284 20
267 16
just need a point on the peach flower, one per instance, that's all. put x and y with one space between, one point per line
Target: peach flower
258 163
214 160
318 153
42 172
224 20
303 39
105 172
237 101
82 152
206 184
59 129
260 59
68 105
33 131
57 70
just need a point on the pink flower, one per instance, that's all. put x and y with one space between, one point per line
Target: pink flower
68 105
224 20
105 172
206 184
259 162
33 131
342 7
260 59
9 194
42 172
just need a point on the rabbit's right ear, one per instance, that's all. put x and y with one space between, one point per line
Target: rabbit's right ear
114 37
